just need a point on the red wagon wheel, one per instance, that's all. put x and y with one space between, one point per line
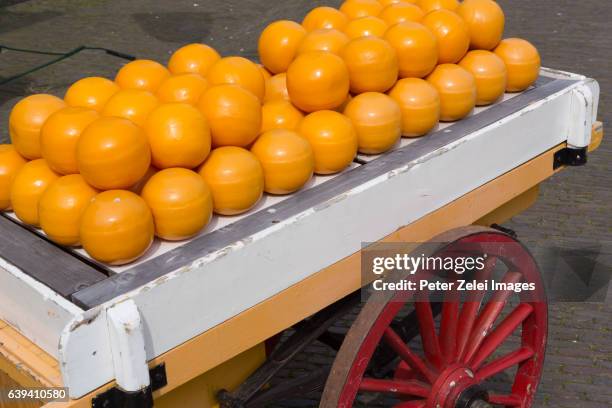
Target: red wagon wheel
460 348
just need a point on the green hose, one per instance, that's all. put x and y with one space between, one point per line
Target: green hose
60 57
6 47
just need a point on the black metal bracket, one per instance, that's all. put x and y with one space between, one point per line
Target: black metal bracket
570 156
505 230
117 398
158 377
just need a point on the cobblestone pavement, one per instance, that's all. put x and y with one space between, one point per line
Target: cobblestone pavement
574 208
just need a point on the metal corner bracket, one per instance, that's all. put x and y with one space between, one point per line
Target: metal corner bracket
117 398
570 156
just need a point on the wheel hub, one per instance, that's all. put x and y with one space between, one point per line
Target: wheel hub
451 384
473 397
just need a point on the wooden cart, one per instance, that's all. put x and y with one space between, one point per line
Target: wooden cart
188 325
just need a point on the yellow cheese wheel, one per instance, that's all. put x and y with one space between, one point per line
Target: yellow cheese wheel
287 160
185 88
59 137
377 120
235 178
324 39
457 89
372 64
419 102
238 71
179 136
180 201
143 74
432 5
522 61
279 43
193 58
317 80
26 120
333 140
113 153
31 181
61 207
116 227
280 114
490 73
233 114
486 21
276 88
10 163
416 47
91 92
401 12
366 26
324 17
132 104
452 33
361 8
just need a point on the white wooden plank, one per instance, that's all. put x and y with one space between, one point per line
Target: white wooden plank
127 346
33 309
85 354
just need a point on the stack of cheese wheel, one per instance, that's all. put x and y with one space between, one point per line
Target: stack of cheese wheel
393 68
159 149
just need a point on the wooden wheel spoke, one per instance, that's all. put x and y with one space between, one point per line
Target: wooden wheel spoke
507 400
404 388
403 350
411 404
427 328
500 334
489 315
503 363
467 318
448 326
469 311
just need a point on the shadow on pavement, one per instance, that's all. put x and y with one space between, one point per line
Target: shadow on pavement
10 21
176 27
